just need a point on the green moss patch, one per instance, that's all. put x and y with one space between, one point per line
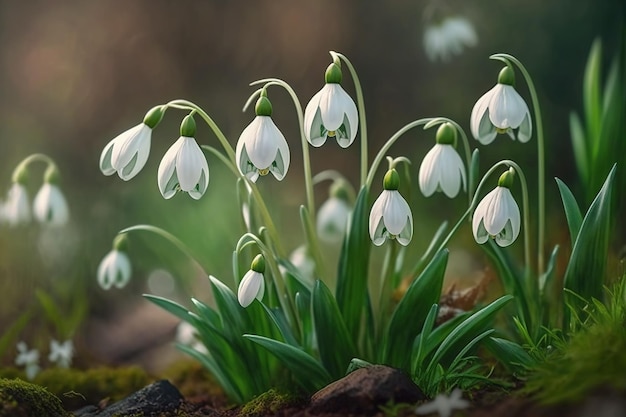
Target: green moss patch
22 399
269 402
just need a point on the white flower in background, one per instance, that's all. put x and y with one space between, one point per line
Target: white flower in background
184 166
500 110
331 113
442 168
448 37
302 260
497 215
61 353
252 284
29 359
128 152
391 216
17 207
115 269
444 405
50 206
332 218
187 335
261 147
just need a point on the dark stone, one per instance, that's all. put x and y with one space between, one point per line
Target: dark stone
364 390
153 400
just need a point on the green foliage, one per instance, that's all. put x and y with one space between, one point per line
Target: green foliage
590 358
22 399
269 402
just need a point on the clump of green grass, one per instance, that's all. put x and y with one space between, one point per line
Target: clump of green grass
591 358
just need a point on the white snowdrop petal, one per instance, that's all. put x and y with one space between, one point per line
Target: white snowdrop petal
428 182
249 287
189 164
167 177
525 129
105 159
480 109
332 106
396 213
506 108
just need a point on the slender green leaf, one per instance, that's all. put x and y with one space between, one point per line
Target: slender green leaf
417 355
353 268
591 95
580 147
462 355
547 277
232 313
336 348
169 306
278 318
468 330
586 269
410 314
572 211
10 333
50 308
509 353
309 373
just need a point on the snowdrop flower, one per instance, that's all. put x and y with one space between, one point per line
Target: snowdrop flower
500 110
252 284
444 405
17 207
302 260
391 215
442 168
114 269
61 353
498 215
261 147
128 152
186 335
331 113
448 37
332 217
184 167
29 359
50 206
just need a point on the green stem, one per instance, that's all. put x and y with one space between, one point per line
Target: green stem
170 238
540 156
28 160
361 107
472 206
387 287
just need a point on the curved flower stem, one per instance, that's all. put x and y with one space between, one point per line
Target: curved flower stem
188 105
22 166
313 242
170 238
249 238
506 58
381 153
255 193
361 106
333 175
472 206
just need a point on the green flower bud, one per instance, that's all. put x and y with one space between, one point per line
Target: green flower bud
52 175
154 116
20 174
263 106
446 134
188 127
333 74
506 179
258 264
506 76
120 243
391 180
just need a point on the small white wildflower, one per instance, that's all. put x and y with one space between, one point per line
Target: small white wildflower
50 207
444 405
391 216
252 284
61 353
448 37
115 268
17 207
29 359
442 168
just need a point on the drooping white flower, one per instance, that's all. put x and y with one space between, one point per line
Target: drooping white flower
500 110
184 166
331 113
391 216
497 215
128 152
252 284
50 206
444 405
261 147
332 219
61 353
442 168
29 359
17 207
302 260
187 335
448 37
115 268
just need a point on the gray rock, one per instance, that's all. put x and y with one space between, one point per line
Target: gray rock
363 391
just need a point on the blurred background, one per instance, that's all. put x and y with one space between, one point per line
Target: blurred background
75 74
